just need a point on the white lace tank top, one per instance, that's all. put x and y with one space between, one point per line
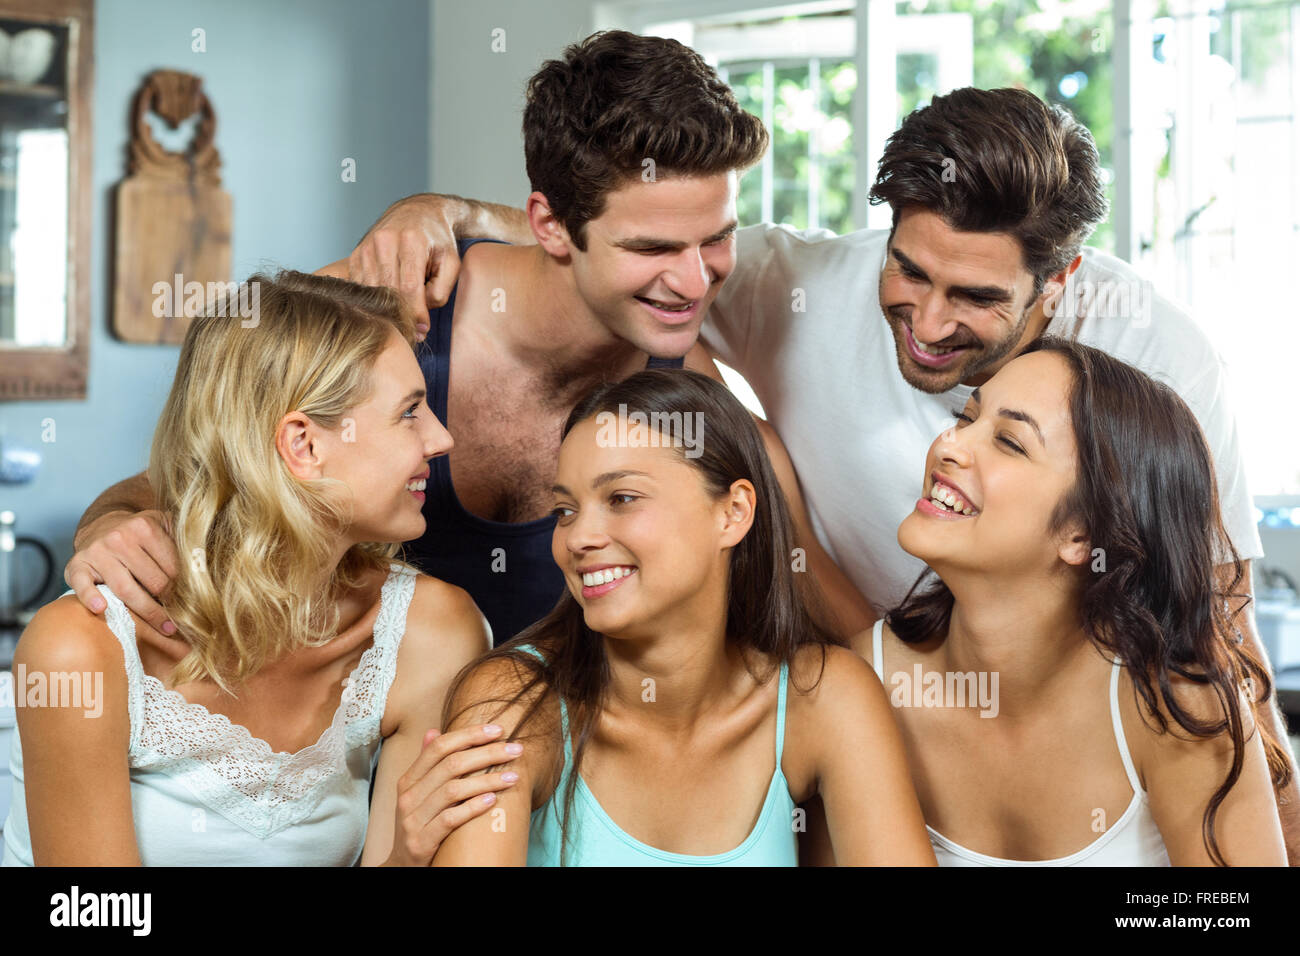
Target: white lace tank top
206 792
1132 840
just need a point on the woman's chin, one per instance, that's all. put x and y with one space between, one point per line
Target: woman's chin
916 538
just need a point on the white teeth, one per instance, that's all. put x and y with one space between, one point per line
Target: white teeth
596 578
949 501
681 307
930 349
417 485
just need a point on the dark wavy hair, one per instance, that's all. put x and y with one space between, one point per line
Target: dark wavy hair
771 609
1014 165
617 99
1146 493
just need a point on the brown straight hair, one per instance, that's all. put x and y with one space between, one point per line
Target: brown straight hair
771 610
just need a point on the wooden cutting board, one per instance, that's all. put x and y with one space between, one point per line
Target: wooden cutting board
173 217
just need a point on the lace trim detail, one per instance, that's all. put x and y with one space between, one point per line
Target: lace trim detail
239 775
120 622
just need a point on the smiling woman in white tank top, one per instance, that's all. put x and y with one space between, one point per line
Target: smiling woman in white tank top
282 467
1067 687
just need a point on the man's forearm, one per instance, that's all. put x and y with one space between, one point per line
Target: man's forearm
131 494
489 220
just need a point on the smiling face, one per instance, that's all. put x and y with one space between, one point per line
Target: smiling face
993 481
656 257
960 304
382 455
641 540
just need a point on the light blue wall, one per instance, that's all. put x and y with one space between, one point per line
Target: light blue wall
297 85
490 164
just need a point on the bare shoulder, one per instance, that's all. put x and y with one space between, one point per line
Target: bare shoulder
64 636
830 685
66 650
443 623
835 702
1199 702
444 632
823 672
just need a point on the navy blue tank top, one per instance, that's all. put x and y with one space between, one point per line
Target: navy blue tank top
506 568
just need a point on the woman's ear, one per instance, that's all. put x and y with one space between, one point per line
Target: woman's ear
1075 546
738 512
296 440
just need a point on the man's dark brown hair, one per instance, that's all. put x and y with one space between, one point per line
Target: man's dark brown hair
999 161
618 99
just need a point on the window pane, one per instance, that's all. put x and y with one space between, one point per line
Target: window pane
1060 53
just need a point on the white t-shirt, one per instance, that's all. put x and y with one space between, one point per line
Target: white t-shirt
828 379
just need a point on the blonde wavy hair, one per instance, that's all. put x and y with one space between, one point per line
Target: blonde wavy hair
253 539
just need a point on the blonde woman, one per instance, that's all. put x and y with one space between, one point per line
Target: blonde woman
287 466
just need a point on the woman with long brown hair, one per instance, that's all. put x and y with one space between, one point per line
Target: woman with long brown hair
681 699
1072 521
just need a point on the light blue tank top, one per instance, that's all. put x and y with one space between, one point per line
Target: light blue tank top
596 840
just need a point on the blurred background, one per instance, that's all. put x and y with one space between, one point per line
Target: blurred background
1192 104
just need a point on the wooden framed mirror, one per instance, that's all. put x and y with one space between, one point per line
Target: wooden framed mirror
45 197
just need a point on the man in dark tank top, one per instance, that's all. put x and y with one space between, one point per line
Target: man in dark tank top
506 566
633 148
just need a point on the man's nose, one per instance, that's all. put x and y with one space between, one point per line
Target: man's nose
690 276
932 320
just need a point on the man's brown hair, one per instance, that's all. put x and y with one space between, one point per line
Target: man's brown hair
999 161
617 99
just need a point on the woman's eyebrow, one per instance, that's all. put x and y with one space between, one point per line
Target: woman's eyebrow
1015 415
413 396
603 479
1027 419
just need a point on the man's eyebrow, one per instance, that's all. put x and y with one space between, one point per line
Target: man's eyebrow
993 293
414 395
642 243
1015 415
602 479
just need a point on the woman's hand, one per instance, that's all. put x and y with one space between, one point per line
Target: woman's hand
433 799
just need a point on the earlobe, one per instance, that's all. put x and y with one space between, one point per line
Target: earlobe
1076 548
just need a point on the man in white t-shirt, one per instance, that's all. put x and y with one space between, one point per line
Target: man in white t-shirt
861 348
801 319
